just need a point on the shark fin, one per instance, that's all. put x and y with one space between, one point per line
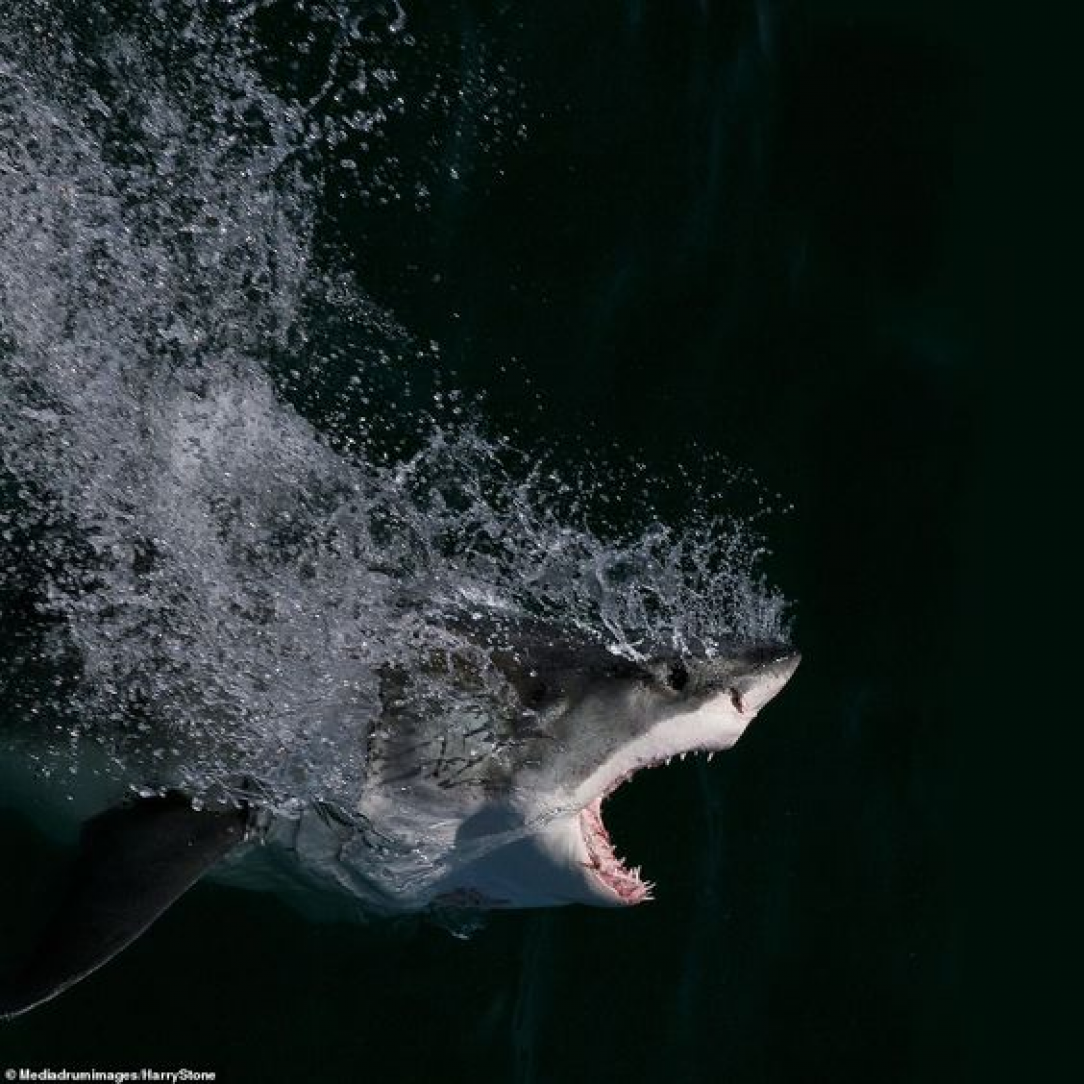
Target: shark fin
133 862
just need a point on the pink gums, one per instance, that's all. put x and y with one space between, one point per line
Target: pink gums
608 867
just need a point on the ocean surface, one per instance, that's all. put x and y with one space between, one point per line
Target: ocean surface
702 254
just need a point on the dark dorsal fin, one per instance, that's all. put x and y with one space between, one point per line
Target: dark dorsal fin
133 862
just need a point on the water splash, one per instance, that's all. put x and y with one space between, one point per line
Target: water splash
226 582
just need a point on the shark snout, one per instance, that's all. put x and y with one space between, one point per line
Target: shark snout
767 679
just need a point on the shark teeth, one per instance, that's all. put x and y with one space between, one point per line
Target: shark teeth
607 866
603 860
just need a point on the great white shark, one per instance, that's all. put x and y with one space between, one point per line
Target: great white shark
438 825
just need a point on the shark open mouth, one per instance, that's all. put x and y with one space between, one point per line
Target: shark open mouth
604 861
607 865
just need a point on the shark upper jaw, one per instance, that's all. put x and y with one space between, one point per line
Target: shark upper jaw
713 726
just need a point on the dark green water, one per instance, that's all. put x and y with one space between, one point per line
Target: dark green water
743 227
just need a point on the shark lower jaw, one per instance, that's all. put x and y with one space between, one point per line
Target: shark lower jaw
706 731
610 870
624 886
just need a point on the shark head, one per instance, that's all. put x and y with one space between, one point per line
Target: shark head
526 829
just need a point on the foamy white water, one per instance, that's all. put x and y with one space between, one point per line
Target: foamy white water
227 581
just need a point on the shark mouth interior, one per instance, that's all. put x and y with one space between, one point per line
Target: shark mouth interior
609 867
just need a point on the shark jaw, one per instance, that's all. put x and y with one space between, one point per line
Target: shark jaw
622 885
609 869
716 724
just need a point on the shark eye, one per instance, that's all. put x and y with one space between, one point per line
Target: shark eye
537 694
735 699
677 677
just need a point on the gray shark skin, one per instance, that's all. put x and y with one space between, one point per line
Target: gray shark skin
446 819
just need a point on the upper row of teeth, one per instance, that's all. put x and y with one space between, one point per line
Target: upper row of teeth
653 764
682 756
